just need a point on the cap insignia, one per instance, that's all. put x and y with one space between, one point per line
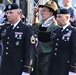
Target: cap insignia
58 10
9 7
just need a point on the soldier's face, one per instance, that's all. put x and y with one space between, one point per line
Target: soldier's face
45 13
12 15
61 19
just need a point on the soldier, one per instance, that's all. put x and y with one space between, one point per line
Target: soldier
48 24
63 41
68 5
18 44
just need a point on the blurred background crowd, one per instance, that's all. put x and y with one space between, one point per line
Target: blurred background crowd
27 5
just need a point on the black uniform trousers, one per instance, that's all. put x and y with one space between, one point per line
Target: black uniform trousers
57 67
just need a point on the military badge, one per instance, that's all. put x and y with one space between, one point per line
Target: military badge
32 39
58 11
63 38
18 35
53 35
66 36
9 7
15 35
3 33
17 43
67 29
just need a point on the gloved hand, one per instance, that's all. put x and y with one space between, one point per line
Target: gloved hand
71 73
24 73
2 17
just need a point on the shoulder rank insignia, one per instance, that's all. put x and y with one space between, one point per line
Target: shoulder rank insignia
32 39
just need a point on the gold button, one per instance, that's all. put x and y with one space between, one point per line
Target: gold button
21 60
6 47
7 37
67 61
56 44
55 53
55 48
57 39
64 40
7 42
6 53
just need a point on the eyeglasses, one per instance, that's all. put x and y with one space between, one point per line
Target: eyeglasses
42 11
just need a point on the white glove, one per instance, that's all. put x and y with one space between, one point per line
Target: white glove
2 17
71 73
24 73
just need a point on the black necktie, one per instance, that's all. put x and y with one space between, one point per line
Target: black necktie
60 30
11 27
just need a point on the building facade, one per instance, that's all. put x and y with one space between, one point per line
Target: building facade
27 5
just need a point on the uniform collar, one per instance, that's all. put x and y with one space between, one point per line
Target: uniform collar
64 27
67 7
16 24
47 22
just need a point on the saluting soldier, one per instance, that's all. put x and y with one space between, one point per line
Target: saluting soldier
63 40
18 44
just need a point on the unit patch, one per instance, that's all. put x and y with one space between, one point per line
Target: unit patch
32 39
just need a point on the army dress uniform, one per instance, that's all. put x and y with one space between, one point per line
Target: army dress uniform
18 49
63 55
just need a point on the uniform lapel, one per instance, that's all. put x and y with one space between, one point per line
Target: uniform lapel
66 30
10 32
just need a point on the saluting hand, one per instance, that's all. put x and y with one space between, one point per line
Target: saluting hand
36 8
72 73
24 73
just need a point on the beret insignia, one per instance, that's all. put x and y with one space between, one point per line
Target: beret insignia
9 7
